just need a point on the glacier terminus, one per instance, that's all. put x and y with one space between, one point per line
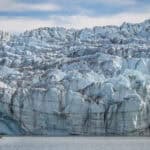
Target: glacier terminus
92 81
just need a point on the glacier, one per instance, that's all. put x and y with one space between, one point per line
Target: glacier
92 81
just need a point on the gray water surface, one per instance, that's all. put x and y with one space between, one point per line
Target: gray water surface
74 143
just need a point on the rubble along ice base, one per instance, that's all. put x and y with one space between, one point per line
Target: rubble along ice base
57 81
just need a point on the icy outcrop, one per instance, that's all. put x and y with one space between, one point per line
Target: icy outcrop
56 81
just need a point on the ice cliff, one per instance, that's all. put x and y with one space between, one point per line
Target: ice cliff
57 81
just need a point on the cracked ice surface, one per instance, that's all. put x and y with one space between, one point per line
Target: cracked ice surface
57 81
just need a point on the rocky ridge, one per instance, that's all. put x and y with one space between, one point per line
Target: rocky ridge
57 81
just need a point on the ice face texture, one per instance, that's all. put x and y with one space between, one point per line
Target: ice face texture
57 81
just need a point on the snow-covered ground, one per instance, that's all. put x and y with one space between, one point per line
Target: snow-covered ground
74 143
